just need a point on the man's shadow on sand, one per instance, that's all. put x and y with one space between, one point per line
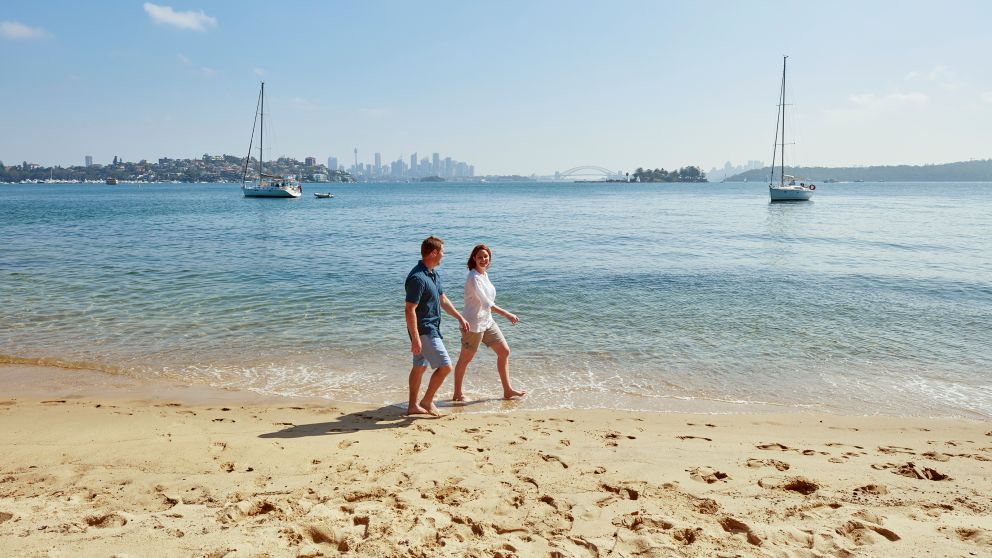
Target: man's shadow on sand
388 416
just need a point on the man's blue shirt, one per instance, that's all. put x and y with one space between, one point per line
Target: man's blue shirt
423 288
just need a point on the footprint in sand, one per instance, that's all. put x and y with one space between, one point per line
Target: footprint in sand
756 463
622 491
801 485
104 521
709 475
549 457
707 506
694 438
892 450
861 534
839 445
979 537
687 535
774 446
922 473
737 527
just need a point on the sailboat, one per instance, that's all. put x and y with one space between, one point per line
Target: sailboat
789 188
267 185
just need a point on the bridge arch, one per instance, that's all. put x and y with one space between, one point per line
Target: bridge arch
589 170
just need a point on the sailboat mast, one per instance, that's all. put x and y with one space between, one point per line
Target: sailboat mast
261 133
784 58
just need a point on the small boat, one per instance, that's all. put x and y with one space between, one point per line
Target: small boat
788 188
267 185
322 195
112 181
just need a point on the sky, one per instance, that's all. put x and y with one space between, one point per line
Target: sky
512 87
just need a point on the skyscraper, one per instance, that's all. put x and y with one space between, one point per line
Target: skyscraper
332 164
378 164
436 166
89 160
413 164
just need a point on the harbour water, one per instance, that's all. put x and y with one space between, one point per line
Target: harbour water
872 298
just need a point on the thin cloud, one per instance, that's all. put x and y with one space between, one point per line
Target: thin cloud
258 72
193 21
183 59
15 30
208 72
941 76
871 100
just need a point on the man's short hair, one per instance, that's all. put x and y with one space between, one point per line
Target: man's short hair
430 244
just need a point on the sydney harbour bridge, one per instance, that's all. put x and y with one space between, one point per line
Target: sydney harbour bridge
589 172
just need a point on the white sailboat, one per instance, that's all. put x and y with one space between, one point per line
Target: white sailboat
267 185
789 188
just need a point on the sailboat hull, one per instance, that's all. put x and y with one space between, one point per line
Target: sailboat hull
787 193
270 192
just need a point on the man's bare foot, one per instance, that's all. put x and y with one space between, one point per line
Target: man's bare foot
459 398
416 410
513 393
430 409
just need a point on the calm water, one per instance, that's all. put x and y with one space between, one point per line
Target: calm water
873 298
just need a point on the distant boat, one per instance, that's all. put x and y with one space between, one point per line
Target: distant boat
267 185
787 189
323 195
112 181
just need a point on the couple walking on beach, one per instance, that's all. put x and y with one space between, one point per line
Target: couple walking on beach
424 301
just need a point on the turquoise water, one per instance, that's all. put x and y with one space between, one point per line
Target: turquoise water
873 298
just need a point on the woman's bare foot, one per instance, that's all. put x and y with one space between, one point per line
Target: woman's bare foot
431 409
458 398
513 393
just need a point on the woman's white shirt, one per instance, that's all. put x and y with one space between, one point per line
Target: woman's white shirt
480 297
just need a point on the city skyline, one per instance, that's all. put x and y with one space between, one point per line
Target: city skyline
516 88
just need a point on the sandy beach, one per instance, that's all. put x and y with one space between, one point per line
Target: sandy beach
104 466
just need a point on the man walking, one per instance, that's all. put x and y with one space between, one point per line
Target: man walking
424 300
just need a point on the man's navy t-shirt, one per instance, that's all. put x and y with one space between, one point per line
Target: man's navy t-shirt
423 288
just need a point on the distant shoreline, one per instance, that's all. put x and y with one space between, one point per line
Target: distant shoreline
963 171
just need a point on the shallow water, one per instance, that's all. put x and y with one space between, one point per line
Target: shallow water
872 298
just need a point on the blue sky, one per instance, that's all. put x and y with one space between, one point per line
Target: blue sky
510 86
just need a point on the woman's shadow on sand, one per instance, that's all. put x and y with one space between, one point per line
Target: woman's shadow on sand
388 416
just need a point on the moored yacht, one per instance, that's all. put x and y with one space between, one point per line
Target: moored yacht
267 185
788 187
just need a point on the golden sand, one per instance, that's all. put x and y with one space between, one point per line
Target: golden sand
154 473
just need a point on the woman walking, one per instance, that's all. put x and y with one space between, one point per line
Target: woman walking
480 305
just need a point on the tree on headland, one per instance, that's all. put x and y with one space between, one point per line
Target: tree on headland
684 174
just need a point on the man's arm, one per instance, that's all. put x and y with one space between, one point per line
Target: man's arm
411 327
450 309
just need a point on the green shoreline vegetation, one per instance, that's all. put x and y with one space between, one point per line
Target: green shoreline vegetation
684 174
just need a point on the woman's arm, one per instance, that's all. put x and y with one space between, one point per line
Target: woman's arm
512 317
